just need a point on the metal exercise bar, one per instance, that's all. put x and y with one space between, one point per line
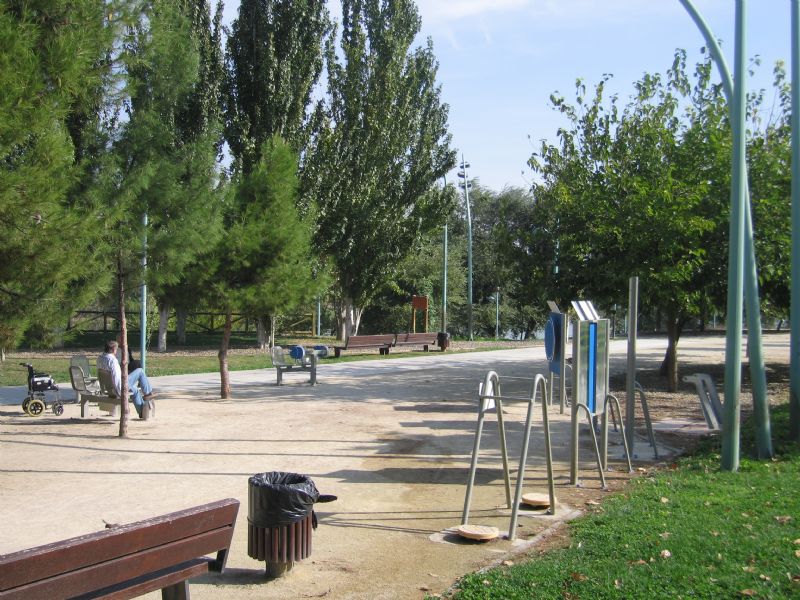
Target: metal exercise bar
606 409
538 382
574 470
490 383
648 423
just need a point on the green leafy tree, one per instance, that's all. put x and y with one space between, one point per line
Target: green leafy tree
274 59
198 128
379 146
49 54
629 200
155 169
264 263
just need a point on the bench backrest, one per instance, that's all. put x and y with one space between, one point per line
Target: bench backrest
80 360
77 379
98 560
354 341
278 355
414 338
106 382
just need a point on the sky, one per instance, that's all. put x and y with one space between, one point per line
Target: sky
500 60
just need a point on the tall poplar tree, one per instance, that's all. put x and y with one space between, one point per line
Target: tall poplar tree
380 144
274 59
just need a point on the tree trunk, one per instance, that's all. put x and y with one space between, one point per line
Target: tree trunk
350 318
669 366
263 342
224 378
163 323
123 324
180 326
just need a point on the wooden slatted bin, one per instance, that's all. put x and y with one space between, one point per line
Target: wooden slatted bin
280 519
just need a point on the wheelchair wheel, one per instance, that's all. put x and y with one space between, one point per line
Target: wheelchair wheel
35 407
58 409
25 404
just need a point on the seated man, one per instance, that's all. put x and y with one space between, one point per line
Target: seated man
136 378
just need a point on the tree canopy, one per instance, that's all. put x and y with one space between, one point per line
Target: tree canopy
379 145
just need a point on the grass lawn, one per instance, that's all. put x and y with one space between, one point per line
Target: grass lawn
177 363
691 531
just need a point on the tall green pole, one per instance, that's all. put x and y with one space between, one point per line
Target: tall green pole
444 269
733 343
794 386
143 314
752 303
465 176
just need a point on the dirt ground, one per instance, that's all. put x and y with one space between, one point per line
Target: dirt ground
391 438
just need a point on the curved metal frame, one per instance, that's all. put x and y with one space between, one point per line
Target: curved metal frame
491 383
606 408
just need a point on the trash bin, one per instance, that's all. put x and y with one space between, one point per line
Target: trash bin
443 340
280 519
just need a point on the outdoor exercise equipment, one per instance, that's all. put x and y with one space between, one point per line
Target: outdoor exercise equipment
490 397
555 346
590 395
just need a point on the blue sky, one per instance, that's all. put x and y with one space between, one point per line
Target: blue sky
499 61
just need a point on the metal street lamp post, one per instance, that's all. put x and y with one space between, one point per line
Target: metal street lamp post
466 185
497 314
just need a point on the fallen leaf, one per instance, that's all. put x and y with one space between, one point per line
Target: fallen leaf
763 577
748 592
719 556
664 500
749 569
797 542
638 562
783 519
486 582
618 584
424 588
508 563
715 533
745 515
665 554
706 503
665 535
797 553
579 577
592 503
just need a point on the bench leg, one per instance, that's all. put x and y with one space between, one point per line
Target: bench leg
178 591
337 352
279 375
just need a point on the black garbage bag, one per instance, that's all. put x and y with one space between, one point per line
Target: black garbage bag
278 498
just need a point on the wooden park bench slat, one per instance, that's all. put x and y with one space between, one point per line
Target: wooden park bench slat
125 561
417 339
382 341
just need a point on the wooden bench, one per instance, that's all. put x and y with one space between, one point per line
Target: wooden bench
125 561
417 339
382 341
283 361
86 392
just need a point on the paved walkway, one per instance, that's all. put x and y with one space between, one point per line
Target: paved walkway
391 438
